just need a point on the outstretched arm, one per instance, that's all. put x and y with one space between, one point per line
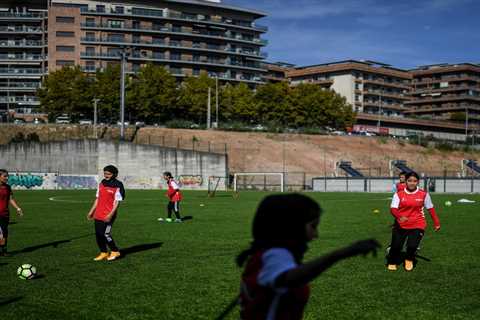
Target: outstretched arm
16 206
305 273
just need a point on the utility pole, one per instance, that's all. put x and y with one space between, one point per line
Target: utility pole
466 125
123 56
209 107
95 101
216 101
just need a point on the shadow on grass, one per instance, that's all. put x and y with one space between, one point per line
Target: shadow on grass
10 300
139 248
53 244
3 264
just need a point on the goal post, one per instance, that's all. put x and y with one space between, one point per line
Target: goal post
257 180
216 183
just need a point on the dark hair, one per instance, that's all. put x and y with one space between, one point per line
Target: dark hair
403 173
168 174
412 174
112 169
3 171
280 222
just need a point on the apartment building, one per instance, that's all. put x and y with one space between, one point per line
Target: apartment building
185 36
276 71
446 92
370 87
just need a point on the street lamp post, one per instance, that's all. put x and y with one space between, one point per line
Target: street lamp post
216 101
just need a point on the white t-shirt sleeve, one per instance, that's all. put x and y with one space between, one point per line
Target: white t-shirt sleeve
395 201
118 195
428 202
174 185
275 262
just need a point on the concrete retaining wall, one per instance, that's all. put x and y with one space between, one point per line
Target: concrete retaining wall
74 163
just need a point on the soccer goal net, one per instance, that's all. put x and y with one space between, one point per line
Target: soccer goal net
268 181
217 183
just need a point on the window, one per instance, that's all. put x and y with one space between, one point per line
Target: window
114 51
175 70
135 24
116 37
90 36
90 22
65 48
65 62
61 19
115 23
119 9
175 56
90 51
69 34
100 8
136 38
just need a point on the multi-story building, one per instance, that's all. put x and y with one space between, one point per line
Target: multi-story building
185 36
446 92
370 87
23 57
277 71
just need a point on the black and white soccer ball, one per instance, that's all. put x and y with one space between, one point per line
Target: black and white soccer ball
26 271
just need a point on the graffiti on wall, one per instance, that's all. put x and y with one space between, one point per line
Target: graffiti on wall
25 180
76 182
191 180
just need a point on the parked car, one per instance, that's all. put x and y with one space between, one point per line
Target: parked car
140 124
18 121
63 119
85 121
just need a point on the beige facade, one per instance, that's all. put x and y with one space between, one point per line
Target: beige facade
370 87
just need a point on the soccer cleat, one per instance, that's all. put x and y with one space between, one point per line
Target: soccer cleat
392 267
113 255
161 219
178 220
101 256
408 265
168 220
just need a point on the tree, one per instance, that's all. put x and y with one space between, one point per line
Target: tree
153 94
272 102
66 91
107 90
237 103
193 96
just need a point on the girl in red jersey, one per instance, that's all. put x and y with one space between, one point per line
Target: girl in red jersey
174 197
407 208
104 211
6 198
401 184
274 283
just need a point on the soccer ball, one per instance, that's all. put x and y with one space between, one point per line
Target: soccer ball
448 203
26 271
376 211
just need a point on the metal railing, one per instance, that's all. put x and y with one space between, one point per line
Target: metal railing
223 35
180 16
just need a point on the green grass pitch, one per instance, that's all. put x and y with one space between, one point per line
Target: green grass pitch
187 271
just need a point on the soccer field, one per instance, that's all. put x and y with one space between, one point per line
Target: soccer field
187 270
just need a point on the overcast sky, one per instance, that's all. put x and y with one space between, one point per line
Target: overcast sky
405 34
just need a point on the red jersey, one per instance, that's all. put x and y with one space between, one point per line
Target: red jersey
410 204
173 191
5 195
400 186
260 298
108 192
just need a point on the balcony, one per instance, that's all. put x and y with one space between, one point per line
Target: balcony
21 72
19 86
21 30
22 15
161 14
149 57
174 44
22 57
20 100
22 43
181 32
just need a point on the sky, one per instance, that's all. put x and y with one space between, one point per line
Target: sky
404 33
